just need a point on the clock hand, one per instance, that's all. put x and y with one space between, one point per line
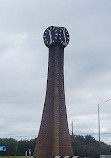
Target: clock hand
64 36
50 36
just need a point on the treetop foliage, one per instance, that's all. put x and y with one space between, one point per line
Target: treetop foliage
84 146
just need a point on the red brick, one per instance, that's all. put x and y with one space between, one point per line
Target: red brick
54 138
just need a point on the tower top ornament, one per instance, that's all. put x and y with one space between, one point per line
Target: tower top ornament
54 35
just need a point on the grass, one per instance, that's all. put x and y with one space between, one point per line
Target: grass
14 157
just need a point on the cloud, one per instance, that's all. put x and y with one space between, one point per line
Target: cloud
24 62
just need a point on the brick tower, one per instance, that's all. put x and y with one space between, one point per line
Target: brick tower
54 139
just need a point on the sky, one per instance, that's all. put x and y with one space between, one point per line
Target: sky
24 65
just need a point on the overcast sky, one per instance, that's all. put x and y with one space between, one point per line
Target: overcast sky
24 64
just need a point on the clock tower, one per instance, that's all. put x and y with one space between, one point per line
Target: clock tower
53 138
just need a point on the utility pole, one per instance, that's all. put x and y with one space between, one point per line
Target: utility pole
99 130
72 128
99 133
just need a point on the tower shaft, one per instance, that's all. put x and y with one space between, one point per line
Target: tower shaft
54 138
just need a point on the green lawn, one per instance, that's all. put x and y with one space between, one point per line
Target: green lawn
13 157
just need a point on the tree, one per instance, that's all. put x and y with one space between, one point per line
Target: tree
88 147
11 146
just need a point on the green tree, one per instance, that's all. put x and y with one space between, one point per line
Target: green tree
11 146
88 147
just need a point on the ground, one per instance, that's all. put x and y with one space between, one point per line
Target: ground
14 157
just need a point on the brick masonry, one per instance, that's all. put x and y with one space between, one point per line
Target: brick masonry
54 138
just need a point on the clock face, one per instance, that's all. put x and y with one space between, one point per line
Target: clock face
50 36
63 36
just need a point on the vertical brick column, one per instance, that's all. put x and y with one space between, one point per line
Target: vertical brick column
54 138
